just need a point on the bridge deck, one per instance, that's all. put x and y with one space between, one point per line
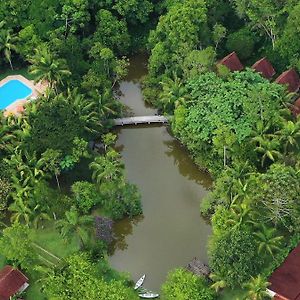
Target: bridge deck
140 120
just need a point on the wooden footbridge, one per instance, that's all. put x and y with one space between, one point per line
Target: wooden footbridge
140 120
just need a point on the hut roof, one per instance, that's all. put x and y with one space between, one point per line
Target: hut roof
264 67
291 79
285 280
11 281
232 62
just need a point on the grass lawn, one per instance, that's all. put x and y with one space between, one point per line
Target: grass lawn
229 294
50 239
34 292
49 245
23 71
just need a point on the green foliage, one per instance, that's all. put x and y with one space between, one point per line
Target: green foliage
54 126
85 195
183 285
16 246
242 42
81 279
5 189
276 195
257 288
223 113
233 256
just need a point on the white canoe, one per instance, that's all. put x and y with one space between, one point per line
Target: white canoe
140 282
148 295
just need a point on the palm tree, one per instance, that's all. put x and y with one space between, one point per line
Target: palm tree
257 288
289 134
173 93
108 167
240 214
74 224
20 212
219 282
47 67
7 44
268 147
267 241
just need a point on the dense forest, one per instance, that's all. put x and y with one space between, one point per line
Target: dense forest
236 125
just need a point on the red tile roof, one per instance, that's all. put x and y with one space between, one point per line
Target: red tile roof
265 68
232 62
291 79
11 280
285 280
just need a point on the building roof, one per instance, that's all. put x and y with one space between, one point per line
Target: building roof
291 79
232 62
11 280
264 67
285 280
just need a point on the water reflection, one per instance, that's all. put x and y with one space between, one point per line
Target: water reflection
122 229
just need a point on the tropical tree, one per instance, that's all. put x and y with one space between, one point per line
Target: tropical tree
289 134
218 282
257 288
7 44
173 93
268 148
21 213
240 215
267 240
108 167
75 225
47 67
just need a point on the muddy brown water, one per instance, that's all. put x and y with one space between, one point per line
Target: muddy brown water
171 231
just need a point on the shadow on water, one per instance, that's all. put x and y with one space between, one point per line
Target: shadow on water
171 231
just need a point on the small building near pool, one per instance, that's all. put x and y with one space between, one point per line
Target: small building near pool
12 281
285 280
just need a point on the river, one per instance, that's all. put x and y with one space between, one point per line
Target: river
170 232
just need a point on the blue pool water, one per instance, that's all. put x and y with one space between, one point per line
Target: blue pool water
11 91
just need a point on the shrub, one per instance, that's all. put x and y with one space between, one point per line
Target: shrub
85 195
233 255
242 42
184 285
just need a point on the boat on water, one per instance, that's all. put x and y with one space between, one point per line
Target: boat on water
140 282
148 295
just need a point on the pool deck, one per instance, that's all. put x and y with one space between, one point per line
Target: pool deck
18 106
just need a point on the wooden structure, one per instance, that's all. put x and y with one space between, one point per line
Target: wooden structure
198 268
232 62
264 67
291 79
140 120
285 280
12 281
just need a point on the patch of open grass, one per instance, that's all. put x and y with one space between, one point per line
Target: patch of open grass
34 292
50 239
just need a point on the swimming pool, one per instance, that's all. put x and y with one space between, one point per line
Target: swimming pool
13 90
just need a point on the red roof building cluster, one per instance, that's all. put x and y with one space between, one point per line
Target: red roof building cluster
232 62
265 68
285 281
291 79
12 281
